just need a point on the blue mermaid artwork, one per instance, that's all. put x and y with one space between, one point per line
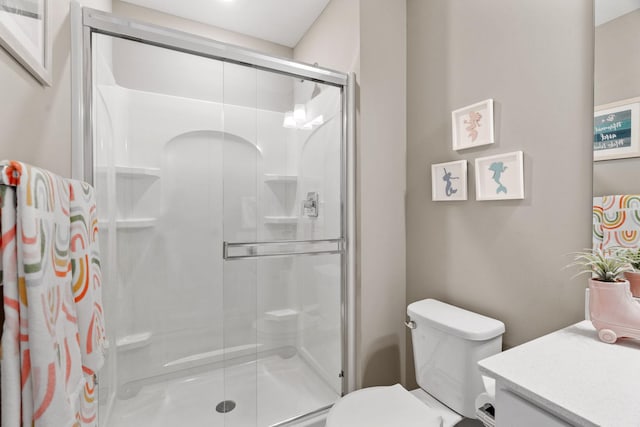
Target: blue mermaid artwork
498 168
447 177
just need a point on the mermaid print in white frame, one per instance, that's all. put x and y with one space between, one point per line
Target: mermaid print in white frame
472 126
500 177
449 181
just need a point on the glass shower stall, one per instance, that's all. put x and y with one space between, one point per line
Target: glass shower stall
222 180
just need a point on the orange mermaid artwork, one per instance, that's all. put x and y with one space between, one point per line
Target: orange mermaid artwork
473 122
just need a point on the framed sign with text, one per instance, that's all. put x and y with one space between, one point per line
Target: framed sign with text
616 130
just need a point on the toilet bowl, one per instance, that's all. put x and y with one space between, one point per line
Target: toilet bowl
393 406
385 406
447 344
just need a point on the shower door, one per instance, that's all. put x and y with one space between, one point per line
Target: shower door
282 244
221 198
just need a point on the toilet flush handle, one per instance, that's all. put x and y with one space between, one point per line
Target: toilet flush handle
410 324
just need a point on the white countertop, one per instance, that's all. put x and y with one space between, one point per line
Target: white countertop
573 374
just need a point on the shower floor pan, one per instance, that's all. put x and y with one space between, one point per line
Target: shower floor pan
283 388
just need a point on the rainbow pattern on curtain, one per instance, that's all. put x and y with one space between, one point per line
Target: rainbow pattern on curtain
616 221
53 335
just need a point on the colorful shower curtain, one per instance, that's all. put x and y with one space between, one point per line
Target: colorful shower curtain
616 221
53 333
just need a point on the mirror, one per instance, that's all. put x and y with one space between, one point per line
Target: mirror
616 87
616 140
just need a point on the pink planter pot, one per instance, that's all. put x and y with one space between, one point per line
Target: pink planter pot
634 282
614 312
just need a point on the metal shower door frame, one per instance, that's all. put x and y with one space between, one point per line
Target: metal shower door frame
85 22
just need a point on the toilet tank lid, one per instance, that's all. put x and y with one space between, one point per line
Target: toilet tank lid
455 320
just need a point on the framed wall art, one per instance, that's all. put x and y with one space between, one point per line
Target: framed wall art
472 126
25 34
500 177
449 181
616 130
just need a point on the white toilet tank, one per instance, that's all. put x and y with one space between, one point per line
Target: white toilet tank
448 342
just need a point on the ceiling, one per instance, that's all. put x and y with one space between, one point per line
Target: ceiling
286 21
607 10
279 21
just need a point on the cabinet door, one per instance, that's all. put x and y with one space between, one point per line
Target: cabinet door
512 410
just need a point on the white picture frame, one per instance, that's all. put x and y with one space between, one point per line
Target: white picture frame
616 130
500 177
449 181
25 32
472 126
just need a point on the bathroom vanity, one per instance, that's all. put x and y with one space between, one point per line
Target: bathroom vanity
567 378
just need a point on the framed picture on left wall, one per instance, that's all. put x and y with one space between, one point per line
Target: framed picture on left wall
25 34
449 181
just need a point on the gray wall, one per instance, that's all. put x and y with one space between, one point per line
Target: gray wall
504 259
382 178
35 121
369 37
617 71
333 41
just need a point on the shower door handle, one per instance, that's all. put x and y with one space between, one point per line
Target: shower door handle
251 250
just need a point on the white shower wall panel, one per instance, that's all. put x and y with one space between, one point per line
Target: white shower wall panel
107 120
319 167
171 280
165 71
155 119
319 294
191 224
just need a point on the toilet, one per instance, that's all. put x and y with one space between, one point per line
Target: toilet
448 342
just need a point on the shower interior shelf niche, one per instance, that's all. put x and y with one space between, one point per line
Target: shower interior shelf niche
130 223
274 219
134 341
133 172
126 174
273 178
282 199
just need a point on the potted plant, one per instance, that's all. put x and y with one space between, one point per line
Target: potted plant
613 311
632 255
604 265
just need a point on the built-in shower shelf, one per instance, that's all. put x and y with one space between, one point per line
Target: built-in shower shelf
280 219
280 179
213 356
133 341
132 172
132 223
281 315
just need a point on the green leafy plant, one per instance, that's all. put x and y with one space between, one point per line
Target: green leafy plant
632 255
606 266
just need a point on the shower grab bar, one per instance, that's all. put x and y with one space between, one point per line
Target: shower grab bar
283 248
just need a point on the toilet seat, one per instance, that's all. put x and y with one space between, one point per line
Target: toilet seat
382 407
